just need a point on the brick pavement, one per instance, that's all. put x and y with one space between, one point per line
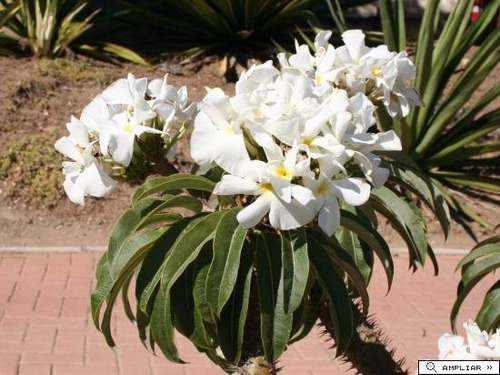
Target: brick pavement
45 326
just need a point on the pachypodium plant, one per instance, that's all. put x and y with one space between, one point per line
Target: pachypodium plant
275 226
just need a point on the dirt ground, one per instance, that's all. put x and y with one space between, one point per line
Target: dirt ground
38 97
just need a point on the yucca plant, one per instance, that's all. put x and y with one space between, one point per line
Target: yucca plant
451 138
50 27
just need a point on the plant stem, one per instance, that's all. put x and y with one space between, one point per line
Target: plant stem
368 352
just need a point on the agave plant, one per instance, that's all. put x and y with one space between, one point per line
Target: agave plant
50 27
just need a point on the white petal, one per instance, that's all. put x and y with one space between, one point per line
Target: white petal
94 181
118 93
138 86
95 113
448 342
286 216
138 130
354 191
354 40
230 185
71 168
286 130
379 176
121 147
78 132
68 148
74 192
302 194
252 214
142 112
321 40
329 216
211 144
301 60
154 87
389 141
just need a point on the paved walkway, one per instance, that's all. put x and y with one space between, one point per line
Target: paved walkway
45 328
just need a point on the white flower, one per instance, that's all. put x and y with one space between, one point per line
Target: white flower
117 136
130 116
353 191
170 103
282 215
83 174
452 347
480 346
218 135
479 342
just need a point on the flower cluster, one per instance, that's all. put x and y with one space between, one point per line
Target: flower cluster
108 129
295 141
479 346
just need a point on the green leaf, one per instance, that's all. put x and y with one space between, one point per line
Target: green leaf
137 217
460 178
170 183
304 319
231 325
483 249
481 268
276 325
340 303
372 238
137 248
462 292
102 289
228 242
188 319
187 246
482 260
104 49
404 220
488 317
162 327
421 185
149 275
295 262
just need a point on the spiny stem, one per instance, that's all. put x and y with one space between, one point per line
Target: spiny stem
368 351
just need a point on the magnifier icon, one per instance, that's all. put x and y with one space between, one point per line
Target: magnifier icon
431 366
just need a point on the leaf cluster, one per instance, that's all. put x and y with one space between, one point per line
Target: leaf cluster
482 261
237 293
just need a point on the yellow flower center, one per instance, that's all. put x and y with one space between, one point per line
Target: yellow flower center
376 72
129 128
307 141
320 79
282 172
323 189
229 130
266 188
258 113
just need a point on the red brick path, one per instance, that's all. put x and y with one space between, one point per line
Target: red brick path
45 327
